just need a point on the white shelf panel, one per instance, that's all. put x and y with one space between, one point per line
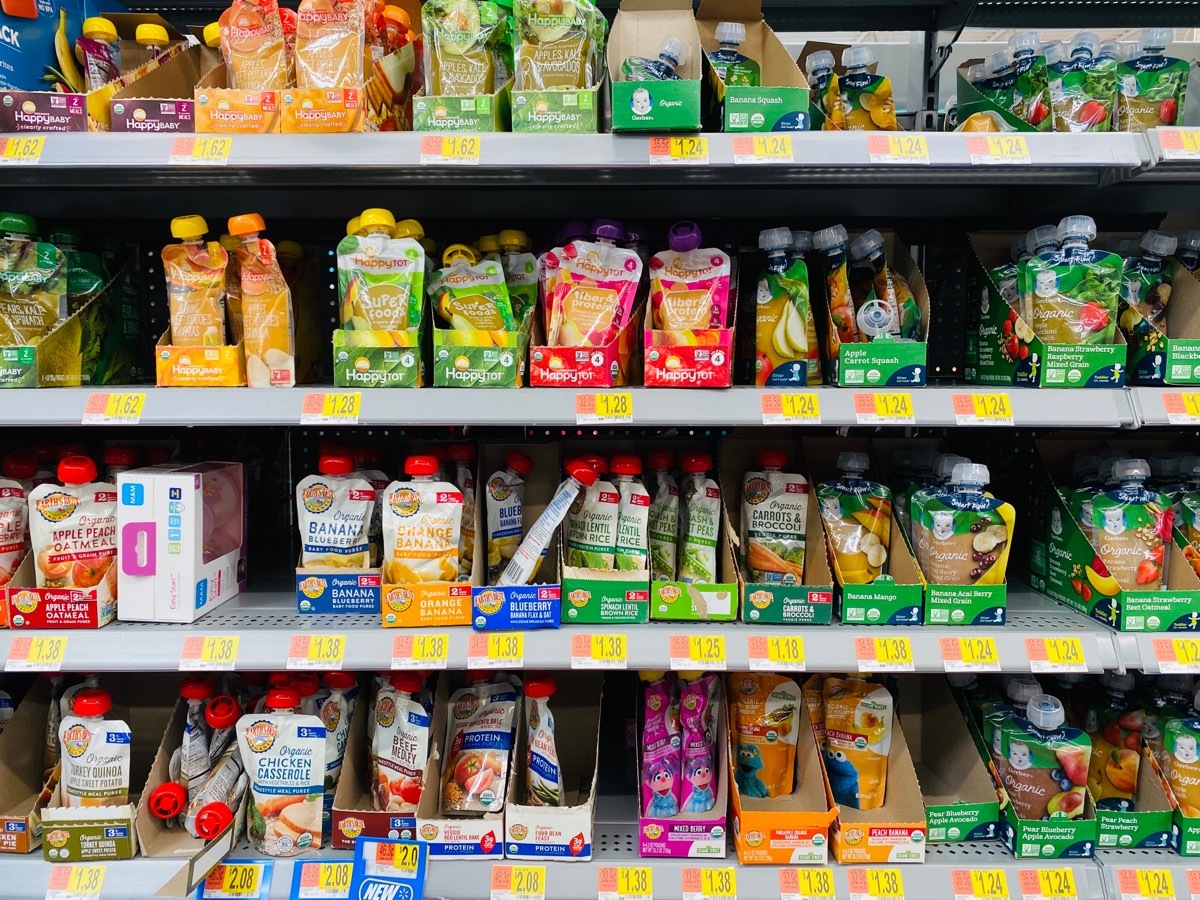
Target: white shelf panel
932 406
1112 861
1149 406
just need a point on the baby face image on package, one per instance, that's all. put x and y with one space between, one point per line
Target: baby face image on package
1181 741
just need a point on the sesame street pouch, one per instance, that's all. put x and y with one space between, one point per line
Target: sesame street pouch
858 738
699 707
661 786
766 716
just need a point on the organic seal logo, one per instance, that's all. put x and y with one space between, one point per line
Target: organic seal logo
76 739
405 502
312 587
57 506
489 602
317 497
260 735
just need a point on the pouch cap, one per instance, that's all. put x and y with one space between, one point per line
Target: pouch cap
189 228
1131 470
1023 43
518 462
1085 42
970 473
1077 227
731 32
513 239
801 241
98 28
857 56
775 239
150 35
853 461
335 464
1023 689
820 61
1054 51
1156 38
673 50
1116 681
77 470
828 238
376 219
998 62
1045 713
409 228
249 223
866 245
1159 243
685 236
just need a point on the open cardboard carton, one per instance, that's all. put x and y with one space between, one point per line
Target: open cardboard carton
817 116
1149 823
330 589
50 111
700 357
221 109
1062 557
779 102
1185 829
559 832
537 604
223 366
612 365
1172 355
560 111
158 841
23 790
161 100
961 802
638 30
393 359
494 359
762 603
98 833
31 607
477 113
1014 355
691 835
787 830
976 113
892 599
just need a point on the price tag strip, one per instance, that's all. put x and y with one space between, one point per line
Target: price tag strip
998 150
686 150
982 409
875 884
201 151
496 651
238 880
518 882
806 884
420 651
209 653
386 868
1145 884
1179 143
698 651
902 149
884 409
75 882
1177 655
322 880
1047 884
1182 407
790 409
979 884
763 149
887 654
776 653
1055 655
625 883
316 651
450 149
713 883
113 409
36 654
17 150
340 408
599 651
609 408
970 654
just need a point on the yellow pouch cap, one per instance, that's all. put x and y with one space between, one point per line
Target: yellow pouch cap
513 239
212 34
376 220
290 249
459 251
489 243
188 227
98 28
409 228
353 226
151 36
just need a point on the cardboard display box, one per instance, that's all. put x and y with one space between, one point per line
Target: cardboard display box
221 109
32 607
223 366
395 359
23 789
701 358
161 100
1002 348
560 111
1149 823
638 30
1172 356
977 113
478 113
613 365
489 363
559 832
327 589
780 102
787 830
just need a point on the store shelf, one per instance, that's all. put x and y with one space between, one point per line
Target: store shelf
1148 404
1113 861
932 406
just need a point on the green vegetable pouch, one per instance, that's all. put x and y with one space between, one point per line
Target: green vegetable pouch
826 105
1083 87
731 65
520 273
1151 87
664 517
633 515
1031 88
592 526
470 294
381 278
701 521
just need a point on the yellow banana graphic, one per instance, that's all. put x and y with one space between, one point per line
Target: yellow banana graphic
67 66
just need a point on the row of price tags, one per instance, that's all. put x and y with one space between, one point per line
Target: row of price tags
318 408
1182 407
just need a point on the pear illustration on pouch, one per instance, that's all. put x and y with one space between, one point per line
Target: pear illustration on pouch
790 338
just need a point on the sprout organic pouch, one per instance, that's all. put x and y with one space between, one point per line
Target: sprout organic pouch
765 729
963 535
774 516
329 43
335 509
594 293
195 272
858 738
857 515
689 285
253 46
381 282
422 518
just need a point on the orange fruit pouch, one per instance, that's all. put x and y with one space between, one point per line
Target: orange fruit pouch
252 44
329 43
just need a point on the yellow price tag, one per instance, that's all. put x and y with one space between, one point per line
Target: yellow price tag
884 654
785 651
970 654
506 648
697 651
322 880
1055 654
240 879
1177 655
48 651
36 654
690 149
113 409
342 406
518 882
898 148
1145 884
209 150
991 149
333 408
599 651
718 883
209 653
420 651
885 883
763 148
335 876
451 149
982 409
1182 407
316 651
891 408
1179 143
601 408
1057 883
21 150
635 882
75 882
790 409
814 884
989 884
222 649
406 859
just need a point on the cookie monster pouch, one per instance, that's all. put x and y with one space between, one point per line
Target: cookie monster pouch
766 715
858 738
661 784
698 714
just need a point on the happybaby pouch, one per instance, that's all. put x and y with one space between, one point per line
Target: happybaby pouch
381 282
555 47
329 43
766 713
253 46
858 738
459 54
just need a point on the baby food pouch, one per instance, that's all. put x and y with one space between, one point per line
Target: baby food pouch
699 709
268 331
336 711
554 44
831 243
95 754
194 761
100 47
479 736
463 458
520 274
594 288
459 38
422 519
1042 763
766 711
774 516
857 515
700 521
872 287
633 515
826 103
381 278
73 528
1073 293
14 527
661 757
1151 86
964 535
195 273
505 511
470 294
1148 285
858 738
252 43
335 510
671 55
689 286
1115 729
663 523
813 693
33 282
1083 87
283 752
543 773
1132 528
592 522
785 336
1030 90
532 550
866 99
400 746
1181 746
731 65
1189 250
329 43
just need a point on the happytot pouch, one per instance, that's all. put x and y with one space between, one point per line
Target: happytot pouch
252 43
478 746
463 456
1072 293
400 745
422 518
1147 282
543 772
732 66
785 335
1132 528
73 528
267 321
591 523
1042 763
555 47
195 272
459 38
283 752
329 43
1115 729
505 511
689 285
470 294
857 515
700 521
699 710
594 288
14 527
766 716
1151 86
663 522
95 753
1083 87
660 754
826 103
520 273
381 276
672 53
774 515
335 509
831 244
963 535
33 282
633 515
858 738
866 99
1181 748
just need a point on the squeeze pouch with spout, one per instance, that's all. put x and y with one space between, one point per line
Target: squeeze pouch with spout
473 297
662 784
381 282
689 285
195 293
633 521
505 518
478 746
1181 740
1131 529
858 738
1116 750
785 335
964 538
335 517
1151 89
1044 773
284 755
592 526
33 289
700 529
699 709
766 711
857 515
663 526
329 43
95 761
421 527
399 751
594 292
252 43
73 528
267 324
555 44
14 523
459 39
774 517
1073 294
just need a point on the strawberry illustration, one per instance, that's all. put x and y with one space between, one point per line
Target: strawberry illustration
1148 572
1167 111
1092 317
